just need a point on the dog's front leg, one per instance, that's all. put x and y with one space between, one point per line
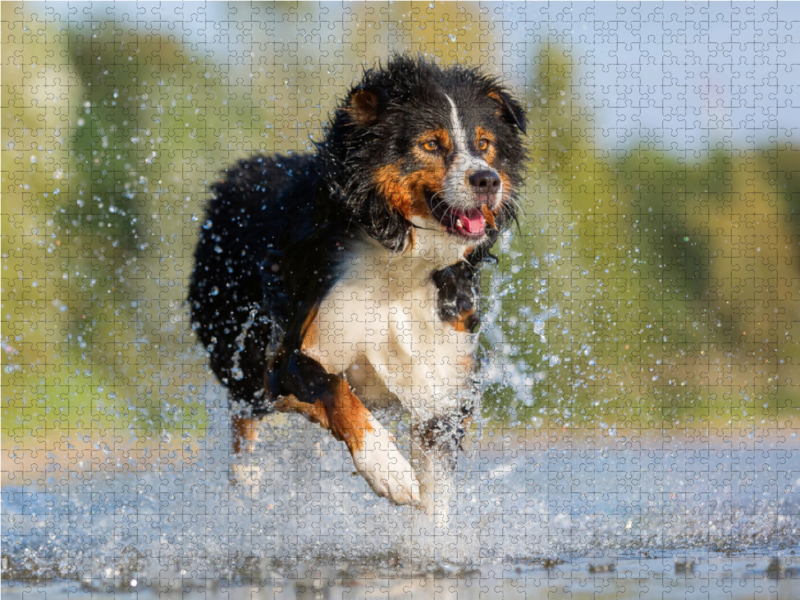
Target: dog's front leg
434 444
435 478
326 399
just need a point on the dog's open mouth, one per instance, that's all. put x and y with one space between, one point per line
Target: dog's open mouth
469 222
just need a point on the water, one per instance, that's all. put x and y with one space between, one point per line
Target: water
739 578
542 508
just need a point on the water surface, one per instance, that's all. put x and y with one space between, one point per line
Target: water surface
596 512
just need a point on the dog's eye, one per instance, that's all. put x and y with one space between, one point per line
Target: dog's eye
431 146
483 144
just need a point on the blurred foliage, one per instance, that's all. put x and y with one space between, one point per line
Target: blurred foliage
663 284
646 288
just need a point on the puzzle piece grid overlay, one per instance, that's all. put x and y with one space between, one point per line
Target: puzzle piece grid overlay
639 339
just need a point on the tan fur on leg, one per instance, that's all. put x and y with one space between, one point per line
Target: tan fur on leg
372 447
244 434
313 412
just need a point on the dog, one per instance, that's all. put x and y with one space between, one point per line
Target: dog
332 283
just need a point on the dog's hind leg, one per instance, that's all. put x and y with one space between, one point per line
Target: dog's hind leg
244 434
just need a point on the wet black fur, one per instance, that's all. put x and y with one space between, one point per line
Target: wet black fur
278 227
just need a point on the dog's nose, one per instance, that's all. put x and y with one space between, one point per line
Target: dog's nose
486 182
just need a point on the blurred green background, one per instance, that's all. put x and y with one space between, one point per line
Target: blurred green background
647 287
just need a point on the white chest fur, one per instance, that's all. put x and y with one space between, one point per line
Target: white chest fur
380 325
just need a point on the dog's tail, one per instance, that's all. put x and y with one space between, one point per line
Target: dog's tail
237 310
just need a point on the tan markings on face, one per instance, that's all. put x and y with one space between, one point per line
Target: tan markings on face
407 192
388 183
491 151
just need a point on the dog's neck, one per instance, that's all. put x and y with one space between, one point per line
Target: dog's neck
427 242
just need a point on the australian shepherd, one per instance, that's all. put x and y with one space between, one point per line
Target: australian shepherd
332 283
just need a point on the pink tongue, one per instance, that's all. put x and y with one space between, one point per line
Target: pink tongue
473 222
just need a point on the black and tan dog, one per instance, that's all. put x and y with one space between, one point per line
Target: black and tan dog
349 279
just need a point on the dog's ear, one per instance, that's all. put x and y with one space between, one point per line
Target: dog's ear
365 106
509 109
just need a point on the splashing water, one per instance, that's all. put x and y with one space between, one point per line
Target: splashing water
518 496
236 370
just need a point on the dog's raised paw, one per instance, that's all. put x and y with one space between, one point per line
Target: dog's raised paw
384 468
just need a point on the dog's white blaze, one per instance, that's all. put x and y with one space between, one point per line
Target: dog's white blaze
459 135
456 186
382 314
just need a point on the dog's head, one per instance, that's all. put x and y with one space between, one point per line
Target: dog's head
429 158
